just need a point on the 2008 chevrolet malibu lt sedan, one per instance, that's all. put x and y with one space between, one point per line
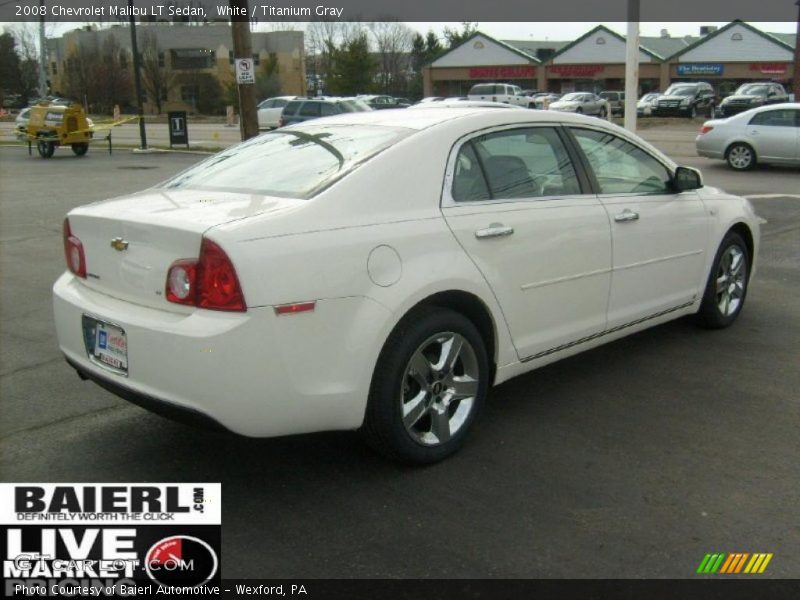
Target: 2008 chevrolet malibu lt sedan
380 271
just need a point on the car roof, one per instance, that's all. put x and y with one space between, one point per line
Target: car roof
425 117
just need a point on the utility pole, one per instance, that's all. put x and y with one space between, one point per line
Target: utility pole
243 48
632 66
42 53
796 78
137 79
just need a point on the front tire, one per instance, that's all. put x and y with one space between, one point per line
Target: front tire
726 288
429 384
741 157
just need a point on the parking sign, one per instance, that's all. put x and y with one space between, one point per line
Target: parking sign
245 72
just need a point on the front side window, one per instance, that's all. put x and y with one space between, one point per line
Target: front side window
296 162
514 164
620 167
785 117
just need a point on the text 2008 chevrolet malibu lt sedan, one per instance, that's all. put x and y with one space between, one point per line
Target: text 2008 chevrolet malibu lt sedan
379 271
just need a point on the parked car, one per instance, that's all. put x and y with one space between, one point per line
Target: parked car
429 99
499 92
269 111
767 135
752 95
377 102
616 101
306 109
544 99
686 99
21 122
581 102
303 281
644 107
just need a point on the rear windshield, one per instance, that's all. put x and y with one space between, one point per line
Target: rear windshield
296 162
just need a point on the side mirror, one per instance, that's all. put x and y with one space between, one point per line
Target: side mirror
687 179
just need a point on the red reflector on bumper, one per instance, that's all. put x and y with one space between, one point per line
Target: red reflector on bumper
290 309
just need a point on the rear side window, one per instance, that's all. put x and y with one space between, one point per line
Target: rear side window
483 89
785 117
291 108
279 102
310 109
294 162
329 109
516 163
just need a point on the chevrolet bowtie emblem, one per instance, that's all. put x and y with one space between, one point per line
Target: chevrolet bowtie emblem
119 244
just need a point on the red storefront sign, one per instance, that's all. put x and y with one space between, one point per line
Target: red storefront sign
769 68
575 70
516 72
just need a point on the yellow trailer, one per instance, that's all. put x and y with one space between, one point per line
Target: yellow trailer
51 126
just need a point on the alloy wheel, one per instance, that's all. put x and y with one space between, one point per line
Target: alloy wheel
730 281
438 390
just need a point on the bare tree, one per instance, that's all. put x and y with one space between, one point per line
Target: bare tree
80 73
322 38
114 81
393 41
157 76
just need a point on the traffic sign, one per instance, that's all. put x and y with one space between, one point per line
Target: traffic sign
245 71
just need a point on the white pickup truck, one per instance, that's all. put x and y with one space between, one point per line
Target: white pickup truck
500 92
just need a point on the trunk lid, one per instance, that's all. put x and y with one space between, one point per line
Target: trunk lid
131 242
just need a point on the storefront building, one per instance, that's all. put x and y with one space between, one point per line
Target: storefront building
725 58
478 59
732 55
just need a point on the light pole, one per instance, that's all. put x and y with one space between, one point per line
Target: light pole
137 78
796 76
632 66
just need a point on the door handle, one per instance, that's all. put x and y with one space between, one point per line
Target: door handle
626 216
494 230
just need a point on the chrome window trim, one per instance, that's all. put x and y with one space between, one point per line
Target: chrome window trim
447 200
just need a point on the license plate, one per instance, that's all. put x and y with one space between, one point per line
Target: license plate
106 344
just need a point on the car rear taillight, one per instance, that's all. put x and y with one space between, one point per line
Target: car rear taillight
73 252
705 129
207 282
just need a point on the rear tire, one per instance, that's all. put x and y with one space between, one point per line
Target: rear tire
727 284
741 157
429 384
80 149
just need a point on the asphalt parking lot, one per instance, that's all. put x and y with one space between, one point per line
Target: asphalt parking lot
631 460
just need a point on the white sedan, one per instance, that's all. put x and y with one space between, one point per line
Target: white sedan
269 111
769 135
303 281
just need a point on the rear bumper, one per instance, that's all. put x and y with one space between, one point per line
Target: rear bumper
254 373
708 148
161 407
